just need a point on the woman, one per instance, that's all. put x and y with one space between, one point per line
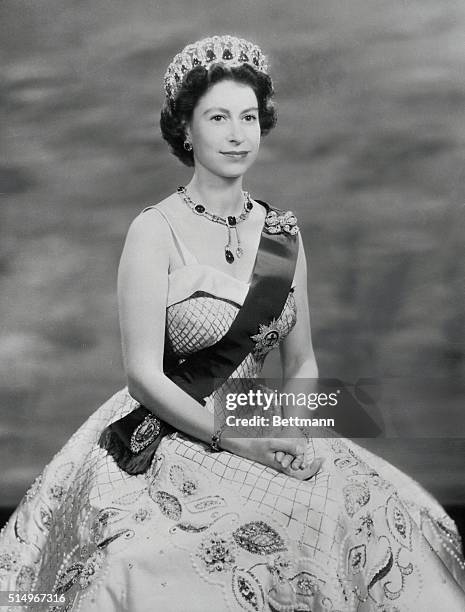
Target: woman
150 505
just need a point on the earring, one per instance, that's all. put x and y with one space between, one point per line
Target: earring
187 145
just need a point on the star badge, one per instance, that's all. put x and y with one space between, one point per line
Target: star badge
268 337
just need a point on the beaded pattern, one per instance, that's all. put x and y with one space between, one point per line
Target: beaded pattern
247 590
258 538
216 553
168 504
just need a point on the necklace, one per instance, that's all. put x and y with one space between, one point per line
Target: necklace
231 222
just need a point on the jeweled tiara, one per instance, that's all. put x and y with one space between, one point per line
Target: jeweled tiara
228 50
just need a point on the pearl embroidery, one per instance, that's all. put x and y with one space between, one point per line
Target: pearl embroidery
355 496
357 558
8 561
259 538
247 590
217 553
168 504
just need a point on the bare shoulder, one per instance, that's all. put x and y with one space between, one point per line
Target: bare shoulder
150 224
164 205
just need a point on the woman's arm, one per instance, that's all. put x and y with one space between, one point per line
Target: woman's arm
299 367
142 297
297 355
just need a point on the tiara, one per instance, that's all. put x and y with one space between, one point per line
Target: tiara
226 49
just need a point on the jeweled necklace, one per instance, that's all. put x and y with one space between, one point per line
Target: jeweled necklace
231 222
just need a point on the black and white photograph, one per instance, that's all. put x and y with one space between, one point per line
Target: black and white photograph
232 306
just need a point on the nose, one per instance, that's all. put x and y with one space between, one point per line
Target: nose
236 133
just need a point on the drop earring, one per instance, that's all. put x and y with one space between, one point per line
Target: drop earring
187 145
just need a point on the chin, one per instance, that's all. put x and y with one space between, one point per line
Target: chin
237 171
228 170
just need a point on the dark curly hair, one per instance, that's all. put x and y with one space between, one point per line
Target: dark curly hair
176 113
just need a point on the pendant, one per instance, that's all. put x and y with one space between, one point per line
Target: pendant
228 255
239 251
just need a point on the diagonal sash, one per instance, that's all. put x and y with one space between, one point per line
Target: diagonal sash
132 440
273 272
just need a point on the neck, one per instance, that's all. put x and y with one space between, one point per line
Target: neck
220 196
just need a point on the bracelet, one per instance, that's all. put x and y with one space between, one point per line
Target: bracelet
215 442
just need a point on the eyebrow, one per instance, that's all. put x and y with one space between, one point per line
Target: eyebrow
226 111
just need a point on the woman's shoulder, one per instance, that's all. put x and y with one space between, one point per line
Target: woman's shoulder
150 224
163 206
154 215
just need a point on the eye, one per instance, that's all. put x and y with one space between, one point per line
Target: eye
217 118
250 118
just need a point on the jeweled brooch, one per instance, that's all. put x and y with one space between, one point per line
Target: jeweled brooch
145 433
268 337
281 223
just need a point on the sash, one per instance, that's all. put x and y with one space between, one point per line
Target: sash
133 439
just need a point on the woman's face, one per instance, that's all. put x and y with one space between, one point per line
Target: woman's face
225 129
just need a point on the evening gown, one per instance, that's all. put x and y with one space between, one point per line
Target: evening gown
201 531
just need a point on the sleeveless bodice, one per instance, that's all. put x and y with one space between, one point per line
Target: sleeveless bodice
200 320
202 303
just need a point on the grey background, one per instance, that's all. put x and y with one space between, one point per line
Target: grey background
368 152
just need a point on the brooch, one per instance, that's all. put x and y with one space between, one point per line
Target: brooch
145 433
276 223
267 338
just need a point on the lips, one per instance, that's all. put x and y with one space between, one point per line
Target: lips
237 154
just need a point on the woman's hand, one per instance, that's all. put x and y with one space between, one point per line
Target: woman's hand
287 455
298 465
